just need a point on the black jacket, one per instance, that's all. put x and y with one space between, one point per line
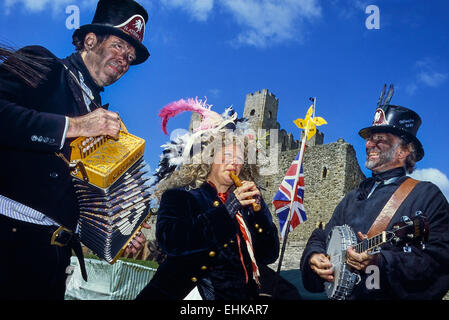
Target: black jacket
198 234
32 124
419 274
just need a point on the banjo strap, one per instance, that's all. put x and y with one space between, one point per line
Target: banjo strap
384 217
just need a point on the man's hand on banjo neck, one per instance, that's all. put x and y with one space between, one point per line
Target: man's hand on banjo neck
322 266
356 260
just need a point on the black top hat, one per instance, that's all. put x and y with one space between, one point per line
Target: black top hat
123 18
399 121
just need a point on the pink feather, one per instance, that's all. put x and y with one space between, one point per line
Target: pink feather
198 106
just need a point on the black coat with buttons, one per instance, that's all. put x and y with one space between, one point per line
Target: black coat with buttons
199 237
418 274
32 122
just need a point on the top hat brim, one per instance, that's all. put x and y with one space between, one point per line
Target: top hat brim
142 52
366 132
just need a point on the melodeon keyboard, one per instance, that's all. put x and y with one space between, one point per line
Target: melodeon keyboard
110 183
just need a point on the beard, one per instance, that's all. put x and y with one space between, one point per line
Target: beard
385 156
99 64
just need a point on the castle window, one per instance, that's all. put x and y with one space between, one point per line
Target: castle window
253 112
269 115
324 173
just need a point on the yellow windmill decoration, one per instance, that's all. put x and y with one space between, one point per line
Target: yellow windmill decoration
309 123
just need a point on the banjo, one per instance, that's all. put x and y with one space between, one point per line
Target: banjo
408 231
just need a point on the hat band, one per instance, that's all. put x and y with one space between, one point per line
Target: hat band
134 27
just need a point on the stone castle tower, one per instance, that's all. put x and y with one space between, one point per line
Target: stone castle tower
330 170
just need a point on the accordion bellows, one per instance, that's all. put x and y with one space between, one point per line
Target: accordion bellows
113 197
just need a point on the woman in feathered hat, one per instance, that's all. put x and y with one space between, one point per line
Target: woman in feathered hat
213 238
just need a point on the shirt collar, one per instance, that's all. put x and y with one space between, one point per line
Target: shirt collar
367 186
222 196
389 174
78 63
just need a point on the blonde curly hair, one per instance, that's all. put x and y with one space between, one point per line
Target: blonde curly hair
193 175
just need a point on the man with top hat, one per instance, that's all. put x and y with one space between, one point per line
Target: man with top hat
45 103
404 272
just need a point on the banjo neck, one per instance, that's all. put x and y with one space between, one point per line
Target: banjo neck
409 230
371 243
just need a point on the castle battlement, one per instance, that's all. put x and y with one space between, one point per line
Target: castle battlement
330 170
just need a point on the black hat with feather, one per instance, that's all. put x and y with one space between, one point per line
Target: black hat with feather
398 120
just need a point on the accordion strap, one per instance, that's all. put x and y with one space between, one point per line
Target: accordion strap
390 208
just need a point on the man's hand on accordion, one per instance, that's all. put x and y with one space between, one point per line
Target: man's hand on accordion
99 122
137 243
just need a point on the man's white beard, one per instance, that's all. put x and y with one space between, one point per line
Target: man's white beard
384 157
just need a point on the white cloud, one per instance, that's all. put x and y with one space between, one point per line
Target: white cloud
263 22
270 21
426 75
37 6
435 176
199 9
349 9
432 79
215 92
411 88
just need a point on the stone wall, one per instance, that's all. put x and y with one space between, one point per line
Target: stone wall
330 171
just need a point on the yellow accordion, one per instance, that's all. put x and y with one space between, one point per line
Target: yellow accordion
113 197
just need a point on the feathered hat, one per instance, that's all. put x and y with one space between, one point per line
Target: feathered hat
180 148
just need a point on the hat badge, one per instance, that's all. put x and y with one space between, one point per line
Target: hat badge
134 26
379 118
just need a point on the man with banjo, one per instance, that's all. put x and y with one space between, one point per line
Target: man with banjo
391 271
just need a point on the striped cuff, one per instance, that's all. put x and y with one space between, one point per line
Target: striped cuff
66 127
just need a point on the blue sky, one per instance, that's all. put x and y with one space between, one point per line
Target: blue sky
224 49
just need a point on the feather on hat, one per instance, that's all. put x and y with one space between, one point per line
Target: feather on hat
210 119
180 148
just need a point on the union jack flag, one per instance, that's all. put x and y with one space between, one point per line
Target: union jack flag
282 199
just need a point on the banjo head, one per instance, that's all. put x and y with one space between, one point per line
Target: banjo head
340 238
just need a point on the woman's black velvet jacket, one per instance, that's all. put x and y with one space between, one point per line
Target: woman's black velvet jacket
198 234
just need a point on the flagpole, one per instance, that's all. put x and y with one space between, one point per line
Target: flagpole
287 224
314 105
300 159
